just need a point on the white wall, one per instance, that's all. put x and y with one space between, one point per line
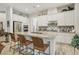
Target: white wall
77 18
24 20
3 19
20 18
15 17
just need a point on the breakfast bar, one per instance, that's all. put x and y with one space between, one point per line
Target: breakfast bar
46 38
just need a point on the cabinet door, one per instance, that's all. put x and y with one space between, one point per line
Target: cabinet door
39 20
45 20
42 21
60 19
69 18
50 18
53 17
66 18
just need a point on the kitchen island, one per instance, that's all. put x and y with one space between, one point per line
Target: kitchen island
52 37
46 38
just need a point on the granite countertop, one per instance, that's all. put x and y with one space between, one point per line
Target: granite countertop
42 35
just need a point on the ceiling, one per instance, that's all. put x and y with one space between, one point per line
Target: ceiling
30 8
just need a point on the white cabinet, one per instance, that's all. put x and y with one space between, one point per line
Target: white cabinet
42 20
63 19
66 18
60 20
52 17
69 18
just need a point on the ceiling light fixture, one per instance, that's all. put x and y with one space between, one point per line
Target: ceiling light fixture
37 5
26 9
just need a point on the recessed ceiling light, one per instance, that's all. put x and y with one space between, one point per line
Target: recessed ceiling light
26 9
37 5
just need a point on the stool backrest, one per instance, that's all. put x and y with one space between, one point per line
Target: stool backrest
38 42
1 47
13 37
21 38
1 33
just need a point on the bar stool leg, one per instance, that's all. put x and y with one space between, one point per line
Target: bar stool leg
33 51
49 47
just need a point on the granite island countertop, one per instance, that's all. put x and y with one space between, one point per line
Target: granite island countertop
58 36
39 34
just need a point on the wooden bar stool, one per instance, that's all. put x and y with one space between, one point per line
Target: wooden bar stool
14 43
13 37
39 45
2 36
1 47
23 42
1 33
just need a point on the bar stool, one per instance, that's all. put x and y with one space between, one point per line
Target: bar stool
23 42
2 36
39 45
1 47
13 37
14 43
1 33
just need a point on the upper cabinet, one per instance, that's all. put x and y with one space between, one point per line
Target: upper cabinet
66 18
69 17
63 19
60 19
42 20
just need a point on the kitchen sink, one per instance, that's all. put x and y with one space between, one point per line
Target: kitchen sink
36 32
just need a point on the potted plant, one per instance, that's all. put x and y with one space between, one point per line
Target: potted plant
75 42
